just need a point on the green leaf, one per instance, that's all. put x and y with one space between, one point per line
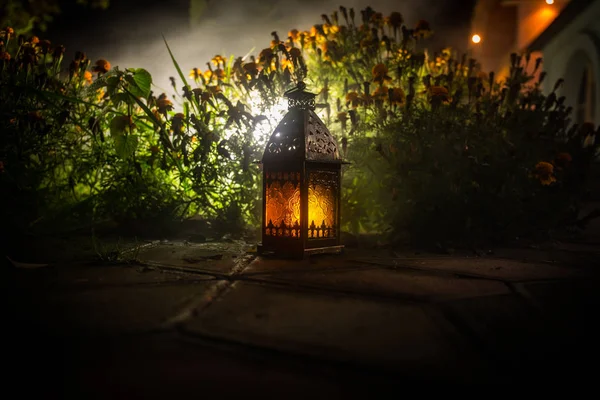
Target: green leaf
126 145
118 125
142 80
117 98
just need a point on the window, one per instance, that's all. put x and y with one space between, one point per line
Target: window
586 96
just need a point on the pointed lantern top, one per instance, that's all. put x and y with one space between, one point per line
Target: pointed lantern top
300 98
301 134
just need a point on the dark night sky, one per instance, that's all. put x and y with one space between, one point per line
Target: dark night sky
128 34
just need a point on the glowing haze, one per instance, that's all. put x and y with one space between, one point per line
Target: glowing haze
133 37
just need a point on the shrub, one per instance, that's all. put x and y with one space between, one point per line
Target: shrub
440 151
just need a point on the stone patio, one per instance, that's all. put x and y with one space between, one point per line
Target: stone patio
214 317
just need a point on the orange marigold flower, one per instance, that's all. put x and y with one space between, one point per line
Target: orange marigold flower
563 159
295 52
395 19
265 55
101 66
380 93
215 89
294 34
587 128
397 96
423 29
7 32
34 40
35 116
219 73
379 72
377 18
544 171
439 93
352 98
87 76
164 105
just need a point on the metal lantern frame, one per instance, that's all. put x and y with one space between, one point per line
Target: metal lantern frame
301 158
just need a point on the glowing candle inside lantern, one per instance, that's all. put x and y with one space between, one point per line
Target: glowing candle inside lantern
321 211
282 213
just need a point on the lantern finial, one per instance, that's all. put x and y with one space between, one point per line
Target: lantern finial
300 98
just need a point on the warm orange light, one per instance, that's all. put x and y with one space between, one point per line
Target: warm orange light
282 214
321 209
476 38
550 2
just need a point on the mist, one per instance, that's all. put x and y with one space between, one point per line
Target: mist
129 37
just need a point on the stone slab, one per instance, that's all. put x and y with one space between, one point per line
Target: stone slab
219 257
513 332
86 276
414 340
102 311
371 280
491 268
572 306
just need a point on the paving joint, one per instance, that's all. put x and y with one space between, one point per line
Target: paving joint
218 290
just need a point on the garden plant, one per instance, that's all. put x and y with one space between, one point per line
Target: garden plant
441 152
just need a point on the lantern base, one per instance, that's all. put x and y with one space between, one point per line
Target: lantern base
261 250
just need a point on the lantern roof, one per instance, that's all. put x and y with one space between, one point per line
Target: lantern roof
301 135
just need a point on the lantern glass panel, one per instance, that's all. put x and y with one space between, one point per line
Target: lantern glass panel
282 212
322 204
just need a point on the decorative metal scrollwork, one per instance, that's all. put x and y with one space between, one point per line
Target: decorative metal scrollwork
320 144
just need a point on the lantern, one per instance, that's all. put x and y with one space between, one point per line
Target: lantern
301 183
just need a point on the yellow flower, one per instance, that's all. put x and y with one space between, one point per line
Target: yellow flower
218 59
287 64
195 74
544 171
208 76
101 66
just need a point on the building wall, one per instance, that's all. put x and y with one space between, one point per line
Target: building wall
509 27
568 54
